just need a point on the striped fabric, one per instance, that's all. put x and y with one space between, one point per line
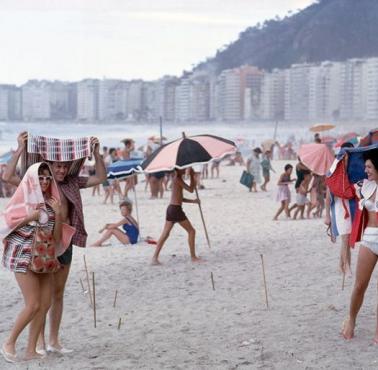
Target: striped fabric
18 245
41 148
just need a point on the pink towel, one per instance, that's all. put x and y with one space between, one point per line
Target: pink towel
27 197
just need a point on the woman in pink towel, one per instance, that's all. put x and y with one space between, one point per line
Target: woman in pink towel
36 201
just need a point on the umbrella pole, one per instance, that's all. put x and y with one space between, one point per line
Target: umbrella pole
203 220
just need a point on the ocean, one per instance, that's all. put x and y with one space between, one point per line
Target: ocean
247 135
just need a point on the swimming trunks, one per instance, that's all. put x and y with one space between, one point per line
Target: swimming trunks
175 213
66 257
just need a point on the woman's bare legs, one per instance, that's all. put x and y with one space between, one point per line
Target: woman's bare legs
30 288
36 326
121 236
365 266
163 237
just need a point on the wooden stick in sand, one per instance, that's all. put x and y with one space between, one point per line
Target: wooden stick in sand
202 218
94 299
212 280
266 290
119 323
82 286
88 283
115 298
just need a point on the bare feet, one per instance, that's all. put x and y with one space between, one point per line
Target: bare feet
96 245
275 219
347 330
33 356
9 348
155 262
197 259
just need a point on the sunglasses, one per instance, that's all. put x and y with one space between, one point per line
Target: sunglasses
44 178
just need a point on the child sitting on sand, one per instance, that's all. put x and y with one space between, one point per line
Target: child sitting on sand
283 194
130 232
302 199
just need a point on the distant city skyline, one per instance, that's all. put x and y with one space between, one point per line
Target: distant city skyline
73 40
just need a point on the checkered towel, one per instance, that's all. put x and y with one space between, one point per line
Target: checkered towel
41 148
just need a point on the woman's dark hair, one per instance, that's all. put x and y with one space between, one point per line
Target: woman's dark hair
373 156
43 166
288 166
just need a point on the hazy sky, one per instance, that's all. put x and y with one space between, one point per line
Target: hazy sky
75 39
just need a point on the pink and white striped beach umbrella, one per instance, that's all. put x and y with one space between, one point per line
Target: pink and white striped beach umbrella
187 151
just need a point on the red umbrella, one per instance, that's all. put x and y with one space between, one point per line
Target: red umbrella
317 157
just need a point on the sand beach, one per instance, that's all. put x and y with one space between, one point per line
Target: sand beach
171 318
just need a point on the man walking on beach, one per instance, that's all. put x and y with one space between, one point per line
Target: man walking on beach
176 214
72 214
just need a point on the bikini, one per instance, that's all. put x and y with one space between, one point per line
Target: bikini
370 235
131 231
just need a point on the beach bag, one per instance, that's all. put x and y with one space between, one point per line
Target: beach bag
339 184
43 252
246 179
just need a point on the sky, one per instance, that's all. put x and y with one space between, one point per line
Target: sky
71 40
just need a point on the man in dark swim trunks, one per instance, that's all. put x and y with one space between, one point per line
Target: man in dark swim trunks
176 214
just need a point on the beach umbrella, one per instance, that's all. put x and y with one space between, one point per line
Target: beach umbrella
124 168
317 157
186 152
351 137
319 127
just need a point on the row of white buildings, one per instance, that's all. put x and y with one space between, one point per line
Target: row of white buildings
304 92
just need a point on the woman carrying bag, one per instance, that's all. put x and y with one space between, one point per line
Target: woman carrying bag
32 239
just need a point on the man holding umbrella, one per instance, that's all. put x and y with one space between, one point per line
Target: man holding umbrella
176 214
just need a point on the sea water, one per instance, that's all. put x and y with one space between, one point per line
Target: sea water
246 135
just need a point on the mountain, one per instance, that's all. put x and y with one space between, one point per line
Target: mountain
332 30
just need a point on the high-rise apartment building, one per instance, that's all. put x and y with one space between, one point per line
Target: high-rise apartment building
87 100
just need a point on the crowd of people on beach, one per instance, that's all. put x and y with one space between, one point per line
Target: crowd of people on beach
44 219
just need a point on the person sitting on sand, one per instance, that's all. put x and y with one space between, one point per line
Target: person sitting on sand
176 214
283 194
130 232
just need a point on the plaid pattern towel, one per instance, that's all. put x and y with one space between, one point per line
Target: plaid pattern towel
41 148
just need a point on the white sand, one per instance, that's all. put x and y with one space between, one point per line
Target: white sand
172 319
